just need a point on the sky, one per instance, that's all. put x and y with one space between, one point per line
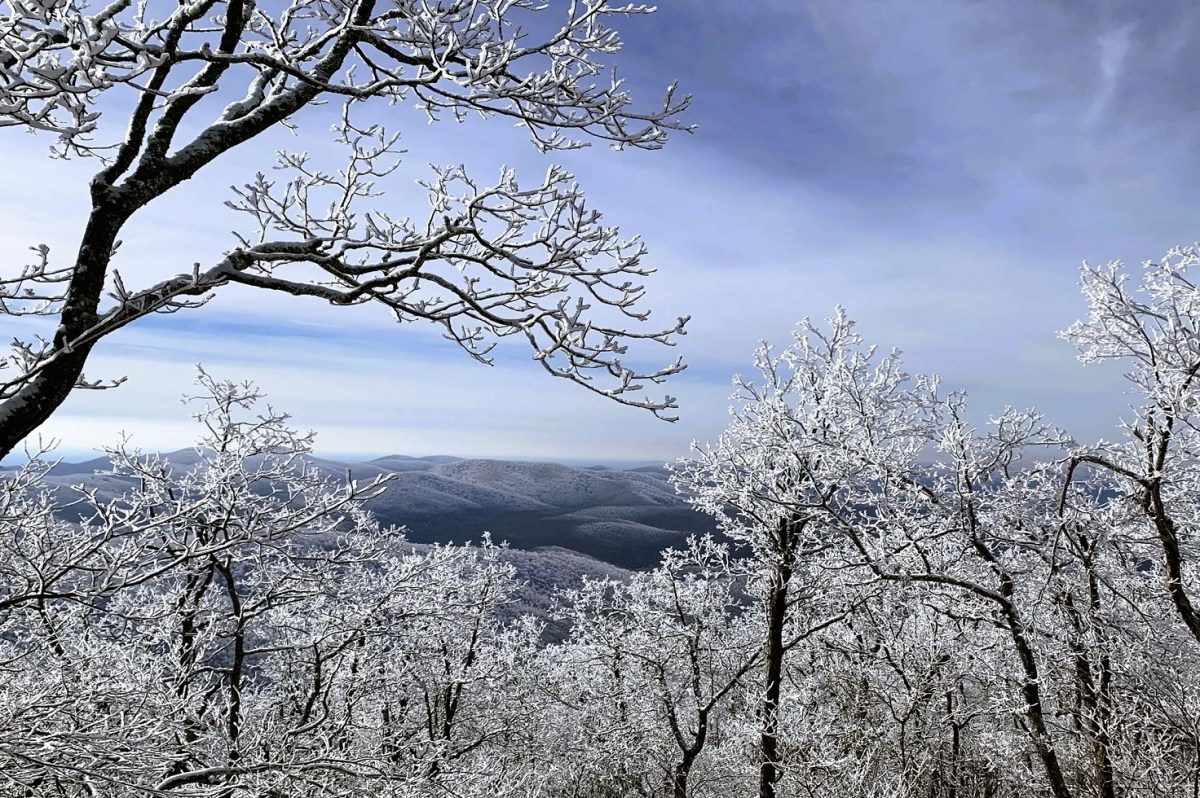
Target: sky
941 169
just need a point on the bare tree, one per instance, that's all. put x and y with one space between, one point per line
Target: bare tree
1154 327
662 655
772 477
203 77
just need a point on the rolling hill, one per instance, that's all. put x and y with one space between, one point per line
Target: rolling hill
620 517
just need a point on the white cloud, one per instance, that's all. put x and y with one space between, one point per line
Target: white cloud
1112 52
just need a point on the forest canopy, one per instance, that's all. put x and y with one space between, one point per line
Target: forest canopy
898 604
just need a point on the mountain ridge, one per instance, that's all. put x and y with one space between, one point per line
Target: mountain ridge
621 517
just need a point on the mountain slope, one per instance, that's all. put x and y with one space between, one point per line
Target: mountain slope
622 517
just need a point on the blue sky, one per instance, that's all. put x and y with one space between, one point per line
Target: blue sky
939 168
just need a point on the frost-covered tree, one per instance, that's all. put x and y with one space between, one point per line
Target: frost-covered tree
647 677
999 598
156 91
1154 328
823 429
912 608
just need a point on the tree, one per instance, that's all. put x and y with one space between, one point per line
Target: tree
771 479
206 76
652 662
839 466
1155 328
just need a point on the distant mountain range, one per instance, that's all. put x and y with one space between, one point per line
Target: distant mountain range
619 517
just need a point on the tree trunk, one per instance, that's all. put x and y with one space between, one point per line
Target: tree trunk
34 403
679 779
777 594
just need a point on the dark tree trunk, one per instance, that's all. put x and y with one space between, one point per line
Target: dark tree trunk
1031 689
777 605
679 779
1032 693
1168 538
36 401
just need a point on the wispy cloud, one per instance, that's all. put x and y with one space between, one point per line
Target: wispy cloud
1112 50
